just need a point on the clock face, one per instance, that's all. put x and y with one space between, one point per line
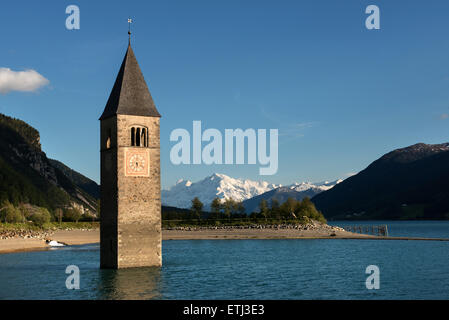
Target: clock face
137 163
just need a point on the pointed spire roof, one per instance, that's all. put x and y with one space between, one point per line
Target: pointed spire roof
130 94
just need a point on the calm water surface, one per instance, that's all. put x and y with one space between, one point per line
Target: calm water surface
246 269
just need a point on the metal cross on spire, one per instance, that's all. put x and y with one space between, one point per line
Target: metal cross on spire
129 29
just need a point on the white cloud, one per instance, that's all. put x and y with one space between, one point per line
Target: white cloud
287 128
28 80
295 130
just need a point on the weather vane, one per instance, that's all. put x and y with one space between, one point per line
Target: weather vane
129 29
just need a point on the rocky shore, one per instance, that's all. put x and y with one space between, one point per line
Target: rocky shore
313 225
311 230
33 234
24 234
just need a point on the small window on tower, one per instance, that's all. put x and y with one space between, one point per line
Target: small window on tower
138 137
144 138
133 136
108 140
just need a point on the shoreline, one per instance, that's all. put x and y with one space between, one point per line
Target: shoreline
80 237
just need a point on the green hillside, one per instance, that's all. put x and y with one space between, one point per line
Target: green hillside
28 176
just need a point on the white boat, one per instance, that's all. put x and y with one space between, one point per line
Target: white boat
54 243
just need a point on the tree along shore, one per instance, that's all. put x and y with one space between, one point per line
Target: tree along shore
230 212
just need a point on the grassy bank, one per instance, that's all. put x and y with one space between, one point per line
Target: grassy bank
50 226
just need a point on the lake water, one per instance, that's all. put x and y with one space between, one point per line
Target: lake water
247 269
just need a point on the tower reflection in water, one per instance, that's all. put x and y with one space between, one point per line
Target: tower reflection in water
130 284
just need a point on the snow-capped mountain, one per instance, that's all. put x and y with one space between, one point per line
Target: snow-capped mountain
317 186
296 191
217 185
225 187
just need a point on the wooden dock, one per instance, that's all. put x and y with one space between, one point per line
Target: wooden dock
381 230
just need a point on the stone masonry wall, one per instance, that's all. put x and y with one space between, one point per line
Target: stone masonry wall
139 199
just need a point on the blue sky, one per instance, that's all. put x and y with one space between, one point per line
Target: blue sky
340 95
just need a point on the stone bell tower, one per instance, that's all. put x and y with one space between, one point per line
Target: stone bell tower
130 229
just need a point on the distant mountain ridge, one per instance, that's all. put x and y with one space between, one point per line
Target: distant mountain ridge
225 187
407 183
296 191
316 186
28 176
